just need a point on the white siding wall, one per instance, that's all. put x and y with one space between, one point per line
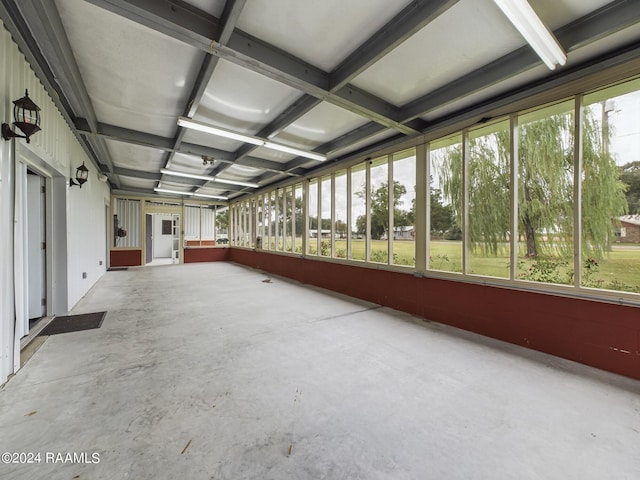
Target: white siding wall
57 153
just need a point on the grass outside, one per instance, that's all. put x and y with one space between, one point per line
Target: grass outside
619 270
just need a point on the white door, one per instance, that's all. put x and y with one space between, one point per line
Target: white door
36 245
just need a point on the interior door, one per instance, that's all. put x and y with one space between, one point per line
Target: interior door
148 238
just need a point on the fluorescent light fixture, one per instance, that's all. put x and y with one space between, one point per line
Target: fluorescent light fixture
261 142
186 175
175 192
295 151
221 132
208 178
217 197
235 182
523 17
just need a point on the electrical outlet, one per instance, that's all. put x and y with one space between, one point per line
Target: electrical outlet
84 275
100 263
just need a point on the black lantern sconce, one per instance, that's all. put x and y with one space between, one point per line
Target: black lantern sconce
82 175
26 116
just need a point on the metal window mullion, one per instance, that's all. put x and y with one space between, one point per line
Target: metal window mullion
513 185
333 215
421 222
390 209
577 189
367 183
349 202
465 201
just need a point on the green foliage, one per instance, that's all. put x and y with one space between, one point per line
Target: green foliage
545 193
630 176
380 210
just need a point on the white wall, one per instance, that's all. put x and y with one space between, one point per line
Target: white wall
77 226
161 243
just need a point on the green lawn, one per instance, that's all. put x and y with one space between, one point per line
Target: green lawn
619 270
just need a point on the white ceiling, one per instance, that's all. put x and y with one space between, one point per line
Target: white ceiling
335 76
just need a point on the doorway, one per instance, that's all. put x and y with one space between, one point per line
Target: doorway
36 246
162 238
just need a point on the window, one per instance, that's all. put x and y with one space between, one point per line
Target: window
545 194
446 193
199 227
358 212
340 208
379 210
611 189
313 234
404 207
298 220
490 200
325 229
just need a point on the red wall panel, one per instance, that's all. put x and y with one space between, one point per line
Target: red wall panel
599 334
125 258
193 255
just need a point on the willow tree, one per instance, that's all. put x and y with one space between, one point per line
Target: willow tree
545 188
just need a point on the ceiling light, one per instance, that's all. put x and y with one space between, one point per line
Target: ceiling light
523 17
221 132
175 192
235 182
217 197
208 178
295 151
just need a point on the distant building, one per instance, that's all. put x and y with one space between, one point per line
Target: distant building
406 232
629 229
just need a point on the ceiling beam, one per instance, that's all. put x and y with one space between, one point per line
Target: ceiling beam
194 27
149 140
410 20
605 21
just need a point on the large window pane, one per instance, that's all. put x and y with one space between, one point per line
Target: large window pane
299 219
325 218
611 189
288 227
341 214
222 225
545 195
445 208
358 212
489 200
313 233
379 229
404 201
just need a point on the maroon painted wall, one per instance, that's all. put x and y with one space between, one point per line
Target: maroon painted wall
599 334
193 255
125 258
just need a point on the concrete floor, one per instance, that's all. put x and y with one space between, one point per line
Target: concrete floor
211 371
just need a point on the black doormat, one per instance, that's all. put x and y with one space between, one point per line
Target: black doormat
73 323
117 269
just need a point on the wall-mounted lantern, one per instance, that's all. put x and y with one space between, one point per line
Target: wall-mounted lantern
26 116
82 175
